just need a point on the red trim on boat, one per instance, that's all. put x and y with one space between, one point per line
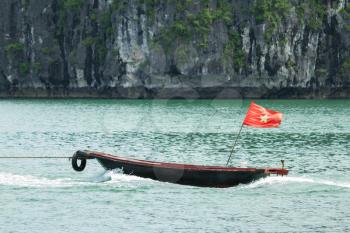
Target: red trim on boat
92 154
277 171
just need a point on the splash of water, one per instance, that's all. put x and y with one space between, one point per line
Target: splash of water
32 181
290 179
108 177
117 176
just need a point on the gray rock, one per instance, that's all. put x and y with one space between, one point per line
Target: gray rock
128 50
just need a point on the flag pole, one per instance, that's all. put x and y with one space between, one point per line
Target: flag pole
233 147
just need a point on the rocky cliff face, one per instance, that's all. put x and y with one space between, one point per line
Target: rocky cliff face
175 49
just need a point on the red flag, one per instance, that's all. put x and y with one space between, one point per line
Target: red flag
261 117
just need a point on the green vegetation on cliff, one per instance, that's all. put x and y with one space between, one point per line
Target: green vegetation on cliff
24 68
311 13
345 13
233 51
192 25
73 4
272 12
14 47
345 68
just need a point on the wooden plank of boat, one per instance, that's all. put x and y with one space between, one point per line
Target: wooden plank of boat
186 174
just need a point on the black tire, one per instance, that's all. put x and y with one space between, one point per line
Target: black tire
75 164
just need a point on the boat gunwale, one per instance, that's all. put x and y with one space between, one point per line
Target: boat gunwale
92 155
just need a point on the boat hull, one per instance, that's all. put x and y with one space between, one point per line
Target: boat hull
195 175
203 178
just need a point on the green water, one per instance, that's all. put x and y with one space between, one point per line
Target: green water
48 196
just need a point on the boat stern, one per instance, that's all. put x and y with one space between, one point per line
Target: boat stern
276 171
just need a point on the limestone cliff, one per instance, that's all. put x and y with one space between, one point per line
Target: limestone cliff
175 49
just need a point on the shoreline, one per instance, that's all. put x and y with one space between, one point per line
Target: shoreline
178 93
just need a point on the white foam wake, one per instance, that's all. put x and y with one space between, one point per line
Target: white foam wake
117 176
109 177
32 181
290 179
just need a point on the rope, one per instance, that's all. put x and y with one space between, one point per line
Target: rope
35 157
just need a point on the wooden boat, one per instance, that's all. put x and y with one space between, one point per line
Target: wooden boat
185 174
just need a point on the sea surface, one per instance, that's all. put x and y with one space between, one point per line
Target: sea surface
46 195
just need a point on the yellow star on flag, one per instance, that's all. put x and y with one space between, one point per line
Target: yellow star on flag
264 118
